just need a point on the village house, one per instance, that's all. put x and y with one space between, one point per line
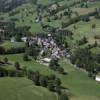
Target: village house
97 77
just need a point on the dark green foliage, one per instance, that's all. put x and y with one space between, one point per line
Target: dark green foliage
29 73
83 58
58 89
52 77
34 1
58 82
43 81
82 41
19 73
17 66
60 70
34 52
93 26
11 73
24 69
18 38
2 50
63 96
36 78
54 65
15 50
95 44
3 72
6 60
51 86
25 57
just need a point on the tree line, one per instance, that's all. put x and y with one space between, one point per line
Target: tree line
85 59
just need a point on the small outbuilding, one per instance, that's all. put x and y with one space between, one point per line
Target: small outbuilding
24 39
97 77
12 39
46 60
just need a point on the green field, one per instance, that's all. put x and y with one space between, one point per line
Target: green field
8 44
96 50
79 85
30 64
22 89
85 29
24 18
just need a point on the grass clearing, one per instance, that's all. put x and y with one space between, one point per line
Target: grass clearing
22 89
85 29
30 64
8 44
80 86
96 50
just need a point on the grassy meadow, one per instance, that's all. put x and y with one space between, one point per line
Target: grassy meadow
9 44
22 89
77 83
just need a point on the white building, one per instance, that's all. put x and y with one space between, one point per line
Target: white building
46 60
24 39
12 39
97 78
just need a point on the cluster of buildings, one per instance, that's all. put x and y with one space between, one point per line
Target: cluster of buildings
48 48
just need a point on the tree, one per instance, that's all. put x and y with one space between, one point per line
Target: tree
52 77
95 44
75 27
51 86
93 26
43 81
2 50
57 82
54 64
0 39
18 38
60 70
17 66
6 60
58 89
34 1
63 96
25 57
66 44
25 70
36 78
34 52
82 41
30 74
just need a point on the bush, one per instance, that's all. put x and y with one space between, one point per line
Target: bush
17 66
51 86
82 41
15 50
60 70
63 96
11 73
25 57
36 78
2 50
19 73
43 81
6 60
